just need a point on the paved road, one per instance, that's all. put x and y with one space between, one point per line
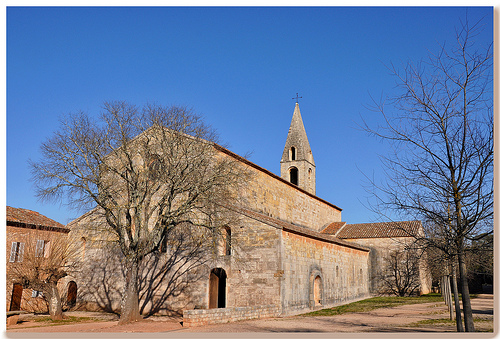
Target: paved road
394 319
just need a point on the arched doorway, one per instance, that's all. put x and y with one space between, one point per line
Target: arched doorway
317 291
72 289
15 301
316 296
217 288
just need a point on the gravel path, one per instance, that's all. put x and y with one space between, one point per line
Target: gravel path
394 319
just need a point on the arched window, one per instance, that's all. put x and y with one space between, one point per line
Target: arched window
84 246
292 153
227 241
217 288
155 167
164 244
294 176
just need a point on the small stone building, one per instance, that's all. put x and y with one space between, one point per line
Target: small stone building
382 238
288 254
29 228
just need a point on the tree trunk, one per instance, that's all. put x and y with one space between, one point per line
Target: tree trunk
54 301
130 299
460 327
469 323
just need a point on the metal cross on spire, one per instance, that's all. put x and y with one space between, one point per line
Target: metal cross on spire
297 98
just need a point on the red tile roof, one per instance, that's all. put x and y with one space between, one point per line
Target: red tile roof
17 216
333 228
380 230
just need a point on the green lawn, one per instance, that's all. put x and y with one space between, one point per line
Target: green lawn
376 302
66 320
478 323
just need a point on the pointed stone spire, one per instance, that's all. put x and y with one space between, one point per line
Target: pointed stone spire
297 162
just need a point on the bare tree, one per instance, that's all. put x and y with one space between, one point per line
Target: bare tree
440 126
401 274
170 272
46 260
147 172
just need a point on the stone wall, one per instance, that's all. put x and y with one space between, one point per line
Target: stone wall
267 265
250 268
379 249
252 275
193 318
282 200
342 272
269 194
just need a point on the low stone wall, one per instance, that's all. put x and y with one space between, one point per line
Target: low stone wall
224 315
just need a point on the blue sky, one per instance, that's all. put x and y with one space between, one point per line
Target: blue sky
238 67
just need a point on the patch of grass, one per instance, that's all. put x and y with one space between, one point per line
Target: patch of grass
66 320
448 322
376 302
444 321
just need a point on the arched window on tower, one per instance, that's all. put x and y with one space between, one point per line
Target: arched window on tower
292 153
294 176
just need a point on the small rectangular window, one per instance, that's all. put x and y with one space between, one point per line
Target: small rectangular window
36 294
42 248
13 252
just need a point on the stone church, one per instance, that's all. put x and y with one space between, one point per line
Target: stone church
294 252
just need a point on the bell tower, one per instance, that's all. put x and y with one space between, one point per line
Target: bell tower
297 162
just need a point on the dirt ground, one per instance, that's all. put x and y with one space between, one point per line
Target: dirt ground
396 319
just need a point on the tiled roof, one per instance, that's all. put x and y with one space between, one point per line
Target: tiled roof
333 228
19 216
380 230
280 224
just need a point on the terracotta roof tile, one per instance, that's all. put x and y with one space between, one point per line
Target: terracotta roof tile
24 216
333 228
380 230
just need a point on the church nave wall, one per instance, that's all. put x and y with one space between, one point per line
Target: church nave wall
342 272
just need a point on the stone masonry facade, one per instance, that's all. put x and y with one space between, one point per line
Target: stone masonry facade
285 256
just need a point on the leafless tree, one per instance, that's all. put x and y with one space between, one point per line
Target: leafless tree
401 274
480 261
440 126
169 273
147 171
46 260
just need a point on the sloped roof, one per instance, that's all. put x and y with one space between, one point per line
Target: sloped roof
380 230
274 176
301 230
26 218
297 137
333 228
